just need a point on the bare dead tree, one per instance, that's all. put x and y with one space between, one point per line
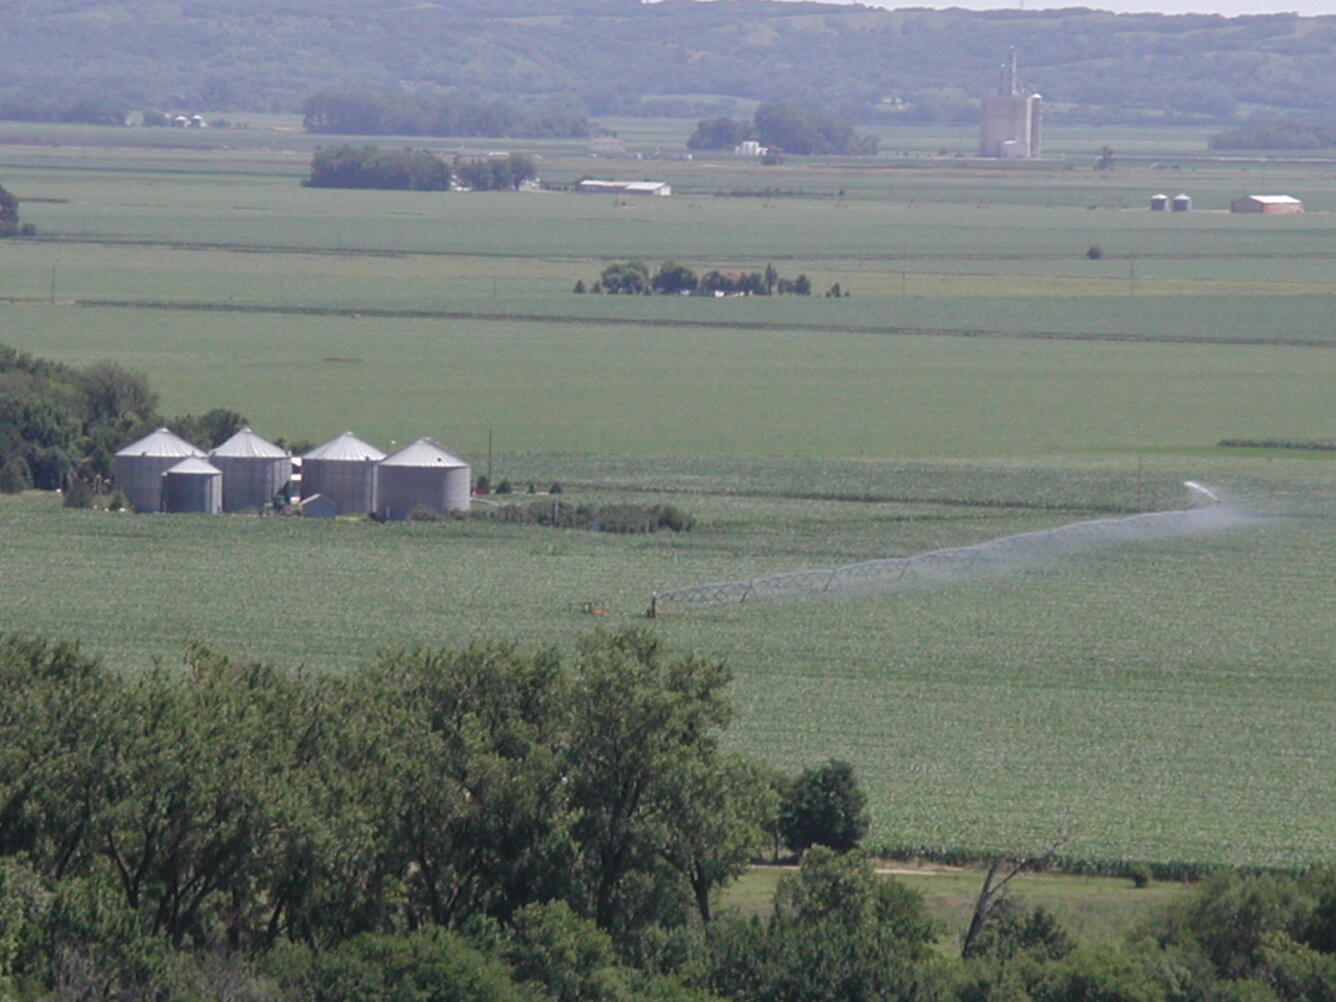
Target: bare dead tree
993 891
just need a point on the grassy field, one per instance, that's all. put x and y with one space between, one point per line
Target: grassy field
1164 701
1095 911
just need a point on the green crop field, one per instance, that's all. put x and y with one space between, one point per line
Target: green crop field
1165 700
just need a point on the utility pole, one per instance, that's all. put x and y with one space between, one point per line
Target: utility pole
489 455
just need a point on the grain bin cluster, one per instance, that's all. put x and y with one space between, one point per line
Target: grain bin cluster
163 472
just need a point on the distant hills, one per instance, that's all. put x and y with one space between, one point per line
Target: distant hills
676 57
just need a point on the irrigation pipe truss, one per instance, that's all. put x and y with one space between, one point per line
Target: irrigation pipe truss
957 562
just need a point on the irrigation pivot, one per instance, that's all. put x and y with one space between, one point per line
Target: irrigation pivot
1206 513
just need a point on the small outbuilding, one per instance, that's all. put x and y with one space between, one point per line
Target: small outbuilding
193 485
344 471
139 467
254 470
1271 205
1159 203
597 187
421 475
317 506
1182 203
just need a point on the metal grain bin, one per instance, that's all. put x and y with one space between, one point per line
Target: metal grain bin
421 474
193 485
139 467
343 470
254 470
1182 203
1158 203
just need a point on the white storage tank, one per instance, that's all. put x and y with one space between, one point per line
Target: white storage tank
254 470
421 474
193 485
139 467
344 471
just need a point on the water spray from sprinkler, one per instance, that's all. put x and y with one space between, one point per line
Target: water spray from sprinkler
1207 512
1201 496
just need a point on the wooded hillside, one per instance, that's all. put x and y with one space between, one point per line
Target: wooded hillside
624 57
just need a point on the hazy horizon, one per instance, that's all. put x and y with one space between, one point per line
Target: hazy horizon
1229 8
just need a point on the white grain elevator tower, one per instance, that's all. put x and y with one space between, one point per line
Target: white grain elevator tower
1009 121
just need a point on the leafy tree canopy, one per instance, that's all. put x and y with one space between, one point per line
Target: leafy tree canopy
371 167
825 807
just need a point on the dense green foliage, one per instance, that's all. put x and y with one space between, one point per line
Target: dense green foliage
499 173
370 167
21 106
597 518
633 278
1276 135
59 423
9 213
240 807
824 806
720 134
621 56
437 115
785 128
56 420
838 932
794 130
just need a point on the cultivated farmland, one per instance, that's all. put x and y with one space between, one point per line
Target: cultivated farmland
1165 701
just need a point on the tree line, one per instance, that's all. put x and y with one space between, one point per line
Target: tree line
633 278
620 57
507 796
416 170
9 217
784 128
436 115
496 824
1276 135
27 106
59 423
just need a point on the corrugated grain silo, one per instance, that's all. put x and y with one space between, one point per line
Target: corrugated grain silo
193 485
343 470
421 474
139 467
254 470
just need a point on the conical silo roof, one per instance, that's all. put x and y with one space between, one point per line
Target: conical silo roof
423 452
345 448
194 465
245 444
161 443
